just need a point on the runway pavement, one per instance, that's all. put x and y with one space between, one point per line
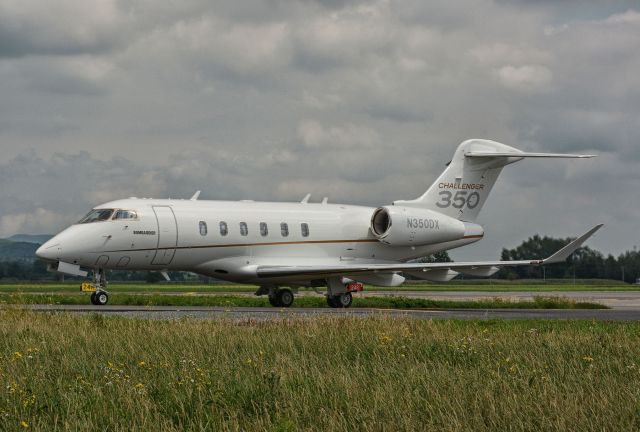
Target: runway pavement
170 312
625 306
612 299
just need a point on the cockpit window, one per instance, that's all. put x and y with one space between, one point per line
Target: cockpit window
125 214
97 215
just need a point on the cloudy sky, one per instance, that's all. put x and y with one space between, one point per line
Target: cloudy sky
363 102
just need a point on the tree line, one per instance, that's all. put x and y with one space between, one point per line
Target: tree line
585 263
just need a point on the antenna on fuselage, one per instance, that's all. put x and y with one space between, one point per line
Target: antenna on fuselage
195 196
306 198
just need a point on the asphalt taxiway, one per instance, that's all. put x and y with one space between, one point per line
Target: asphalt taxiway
267 313
624 306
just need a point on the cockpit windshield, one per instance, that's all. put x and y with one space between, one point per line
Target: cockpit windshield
97 215
125 214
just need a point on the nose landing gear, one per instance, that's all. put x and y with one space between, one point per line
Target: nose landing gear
99 296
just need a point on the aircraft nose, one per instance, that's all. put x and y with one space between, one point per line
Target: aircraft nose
50 250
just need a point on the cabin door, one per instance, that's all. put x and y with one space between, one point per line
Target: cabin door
167 235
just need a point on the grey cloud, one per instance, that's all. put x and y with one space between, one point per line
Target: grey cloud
58 27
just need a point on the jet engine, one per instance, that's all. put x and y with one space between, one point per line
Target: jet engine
407 226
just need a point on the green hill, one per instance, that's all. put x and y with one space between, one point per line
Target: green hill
13 250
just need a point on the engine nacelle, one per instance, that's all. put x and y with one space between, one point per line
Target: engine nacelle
409 226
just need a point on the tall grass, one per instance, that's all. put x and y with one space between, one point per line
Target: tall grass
69 372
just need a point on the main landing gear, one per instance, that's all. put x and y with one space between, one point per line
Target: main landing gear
282 297
339 294
343 300
278 297
99 296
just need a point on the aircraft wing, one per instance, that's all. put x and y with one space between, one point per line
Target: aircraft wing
351 269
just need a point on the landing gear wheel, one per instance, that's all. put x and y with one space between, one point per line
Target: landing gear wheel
101 298
273 301
284 297
345 300
340 301
93 298
332 301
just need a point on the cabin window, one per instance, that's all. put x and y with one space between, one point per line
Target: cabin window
284 229
125 214
264 230
305 229
97 215
224 229
243 229
203 228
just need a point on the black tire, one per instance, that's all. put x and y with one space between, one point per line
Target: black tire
332 301
285 297
273 301
345 300
101 298
93 298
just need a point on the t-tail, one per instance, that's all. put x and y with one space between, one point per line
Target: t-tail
462 189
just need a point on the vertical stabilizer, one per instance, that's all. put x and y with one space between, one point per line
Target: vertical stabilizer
462 189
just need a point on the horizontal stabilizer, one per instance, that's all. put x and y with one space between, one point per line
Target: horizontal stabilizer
481 154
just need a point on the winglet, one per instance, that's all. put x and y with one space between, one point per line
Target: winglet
195 196
564 253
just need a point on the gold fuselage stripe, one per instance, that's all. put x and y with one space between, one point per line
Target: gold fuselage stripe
264 244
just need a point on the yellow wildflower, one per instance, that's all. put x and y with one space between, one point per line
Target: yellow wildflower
588 359
141 363
139 386
24 424
384 339
17 354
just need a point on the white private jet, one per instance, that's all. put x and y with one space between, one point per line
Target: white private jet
283 246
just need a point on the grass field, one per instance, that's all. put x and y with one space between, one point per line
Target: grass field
85 373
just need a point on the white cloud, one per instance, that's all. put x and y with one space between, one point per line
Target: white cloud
629 17
39 221
349 136
526 77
